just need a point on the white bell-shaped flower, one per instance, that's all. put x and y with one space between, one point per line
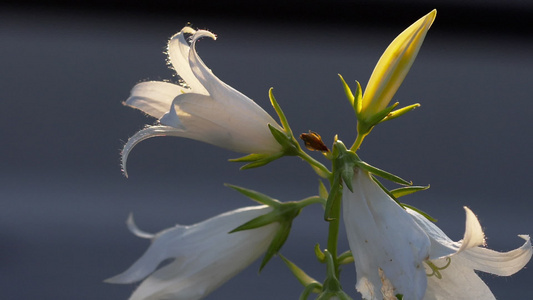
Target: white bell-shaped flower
389 248
451 267
204 256
202 107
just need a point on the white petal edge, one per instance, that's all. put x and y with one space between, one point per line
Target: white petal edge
154 97
146 133
499 263
178 56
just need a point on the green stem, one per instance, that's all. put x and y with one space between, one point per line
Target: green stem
311 200
358 142
333 233
324 172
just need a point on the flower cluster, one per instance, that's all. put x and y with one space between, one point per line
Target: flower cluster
398 251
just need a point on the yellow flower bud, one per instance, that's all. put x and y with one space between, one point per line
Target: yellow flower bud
393 66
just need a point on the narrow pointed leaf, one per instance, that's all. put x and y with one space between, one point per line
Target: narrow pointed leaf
258 222
383 174
319 254
334 195
345 258
400 112
249 157
348 92
322 190
256 196
426 215
302 277
278 110
403 191
276 244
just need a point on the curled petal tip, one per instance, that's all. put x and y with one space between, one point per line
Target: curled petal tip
135 230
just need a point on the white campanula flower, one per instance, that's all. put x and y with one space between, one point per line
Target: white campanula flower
205 256
201 107
451 267
389 248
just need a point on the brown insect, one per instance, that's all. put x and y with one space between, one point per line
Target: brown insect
313 141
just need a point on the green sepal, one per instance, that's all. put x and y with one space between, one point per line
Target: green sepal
257 160
345 258
279 111
400 112
406 190
277 242
426 215
259 221
355 100
364 126
399 296
384 189
288 143
302 277
335 194
381 173
322 190
309 289
256 196
319 254
331 288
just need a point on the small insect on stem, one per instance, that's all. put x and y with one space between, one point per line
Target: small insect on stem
313 141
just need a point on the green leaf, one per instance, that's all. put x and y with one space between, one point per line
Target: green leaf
400 112
279 111
348 92
279 239
262 162
345 258
403 191
302 277
319 254
334 195
322 190
249 157
383 174
257 222
256 196
426 215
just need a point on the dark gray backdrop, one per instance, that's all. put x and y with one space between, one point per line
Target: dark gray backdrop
64 73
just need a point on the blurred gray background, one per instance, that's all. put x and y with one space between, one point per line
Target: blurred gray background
65 69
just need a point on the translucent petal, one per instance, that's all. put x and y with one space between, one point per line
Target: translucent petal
458 282
146 133
178 55
499 263
382 235
204 256
441 244
211 121
222 92
154 97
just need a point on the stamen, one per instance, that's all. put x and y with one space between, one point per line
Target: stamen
436 270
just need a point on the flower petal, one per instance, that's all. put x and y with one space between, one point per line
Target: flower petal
205 256
153 97
146 133
222 92
441 244
458 282
382 235
394 64
211 121
499 263
178 56
158 251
